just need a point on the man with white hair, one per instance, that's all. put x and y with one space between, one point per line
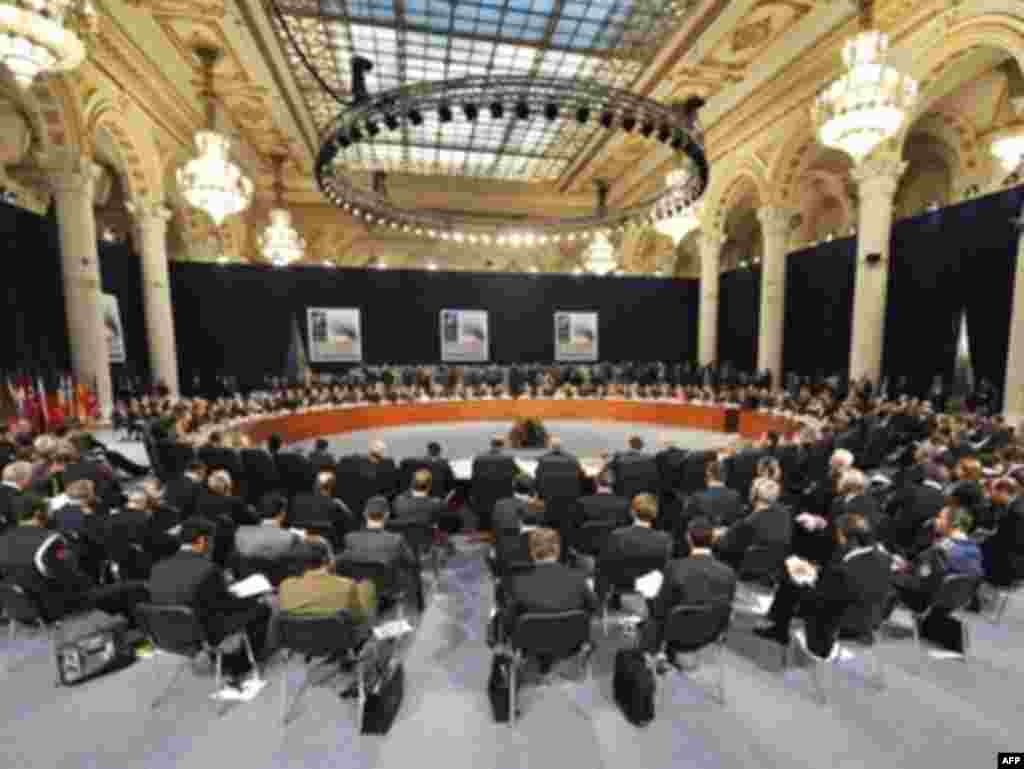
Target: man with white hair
17 477
768 525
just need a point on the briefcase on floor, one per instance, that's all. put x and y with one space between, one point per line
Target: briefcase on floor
384 700
98 650
633 686
498 687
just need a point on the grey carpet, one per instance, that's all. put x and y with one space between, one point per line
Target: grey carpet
932 714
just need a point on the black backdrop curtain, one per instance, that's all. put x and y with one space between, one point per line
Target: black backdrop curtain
33 314
819 308
959 259
739 313
238 319
121 273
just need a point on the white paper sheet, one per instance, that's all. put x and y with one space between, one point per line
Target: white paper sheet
257 584
649 584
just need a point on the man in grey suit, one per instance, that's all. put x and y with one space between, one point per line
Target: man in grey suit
417 505
375 544
272 540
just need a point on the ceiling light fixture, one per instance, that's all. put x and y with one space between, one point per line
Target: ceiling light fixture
871 101
212 181
43 36
1007 146
280 244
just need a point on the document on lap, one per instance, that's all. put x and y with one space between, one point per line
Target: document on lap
252 586
649 584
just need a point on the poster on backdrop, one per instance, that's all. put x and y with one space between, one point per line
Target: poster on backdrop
335 334
464 336
113 329
576 336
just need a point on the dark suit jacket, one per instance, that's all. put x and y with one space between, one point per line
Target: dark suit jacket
862 504
722 505
671 463
698 580
851 591
59 584
425 510
9 506
603 507
508 514
183 493
1004 550
214 507
908 509
322 460
377 546
632 551
548 588
740 470
442 479
193 580
493 476
635 473
771 526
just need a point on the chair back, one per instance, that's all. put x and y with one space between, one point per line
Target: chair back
419 535
173 629
591 537
19 605
556 635
955 592
383 575
762 563
690 627
318 635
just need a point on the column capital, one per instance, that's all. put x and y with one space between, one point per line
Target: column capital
775 221
880 171
76 176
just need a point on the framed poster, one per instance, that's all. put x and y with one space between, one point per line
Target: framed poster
335 334
576 336
465 336
113 328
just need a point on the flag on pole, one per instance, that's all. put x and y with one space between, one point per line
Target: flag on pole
42 401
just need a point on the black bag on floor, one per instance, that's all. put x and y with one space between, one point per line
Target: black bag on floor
633 686
384 700
96 651
498 687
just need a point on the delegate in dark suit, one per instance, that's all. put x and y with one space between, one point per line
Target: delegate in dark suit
548 588
182 493
769 525
560 483
721 505
635 473
908 510
493 476
412 507
1003 552
699 580
629 553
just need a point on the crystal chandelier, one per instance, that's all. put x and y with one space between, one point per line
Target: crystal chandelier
38 36
1008 148
678 219
869 103
212 181
280 244
601 255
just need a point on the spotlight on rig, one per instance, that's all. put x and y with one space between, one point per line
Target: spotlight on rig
582 114
628 123
391 121
415 117
522 110
470 111
497 110
551 110
444 113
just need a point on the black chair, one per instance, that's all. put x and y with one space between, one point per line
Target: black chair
821 667
552 637
420 537
276 570
762 564
954 595
625 572
295 473
329 637
385 577
177 630
692 628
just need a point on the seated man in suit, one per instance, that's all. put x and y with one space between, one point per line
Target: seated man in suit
182 493
322 507
718 503
17 477
190 578
634 550
321 591
670 461
217 501
604 505
548 588
1003 551
911 506
853 498
509 512
272 540
83 520
375 544
636 471
417 505
770 524
321 458
697 580
846 596
383 473
952 552
560 482
493 476
132 540
44 564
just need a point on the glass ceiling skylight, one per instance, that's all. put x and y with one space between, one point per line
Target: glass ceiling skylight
411 41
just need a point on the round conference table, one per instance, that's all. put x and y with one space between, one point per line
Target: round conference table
335 420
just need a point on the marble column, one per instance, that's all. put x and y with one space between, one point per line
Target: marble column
73 188
877 178
710 272
775 230
151 225
1013 392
